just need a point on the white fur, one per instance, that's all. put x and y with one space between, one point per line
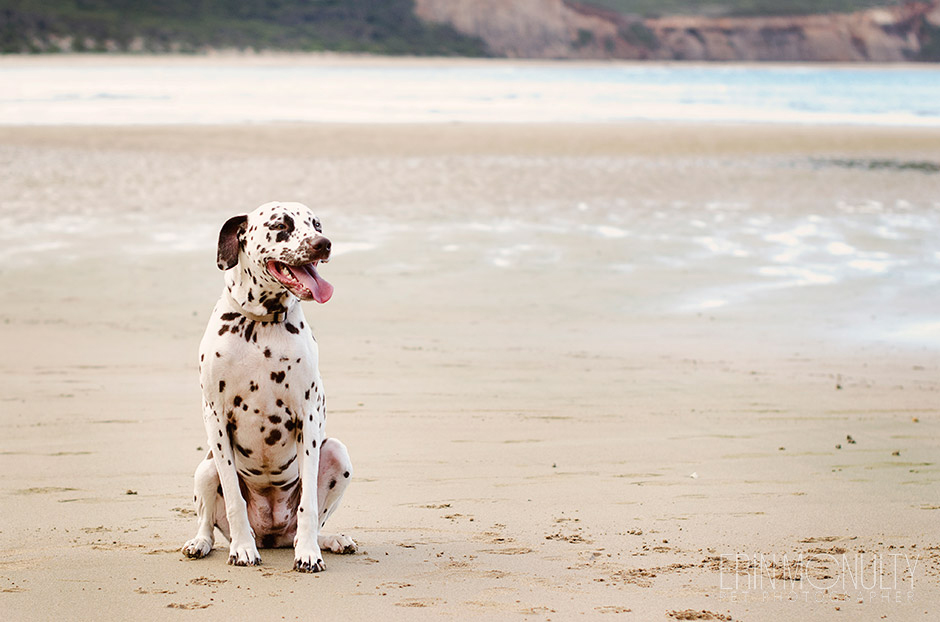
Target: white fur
264 408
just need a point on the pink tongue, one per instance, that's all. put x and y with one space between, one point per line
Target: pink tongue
307 274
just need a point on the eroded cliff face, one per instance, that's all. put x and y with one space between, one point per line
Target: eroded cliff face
567 29
534 28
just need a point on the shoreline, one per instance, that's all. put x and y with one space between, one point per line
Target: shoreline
225 57
175 90
649 138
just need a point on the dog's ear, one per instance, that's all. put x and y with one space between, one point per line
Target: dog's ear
228 241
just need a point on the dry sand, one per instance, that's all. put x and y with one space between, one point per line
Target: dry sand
542 440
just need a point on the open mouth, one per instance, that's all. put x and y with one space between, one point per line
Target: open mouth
303 281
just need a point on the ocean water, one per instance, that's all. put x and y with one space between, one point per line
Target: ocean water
153 91
851 247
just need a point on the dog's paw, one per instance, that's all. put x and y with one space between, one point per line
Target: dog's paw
339 544
244 555
310 561
197 548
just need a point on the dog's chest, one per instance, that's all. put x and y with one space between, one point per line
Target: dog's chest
267 393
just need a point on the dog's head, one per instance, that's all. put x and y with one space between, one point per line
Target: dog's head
285 241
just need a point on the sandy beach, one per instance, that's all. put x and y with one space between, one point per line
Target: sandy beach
630 372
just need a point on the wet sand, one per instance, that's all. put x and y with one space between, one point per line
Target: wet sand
541 430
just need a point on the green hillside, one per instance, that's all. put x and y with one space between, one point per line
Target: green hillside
378 26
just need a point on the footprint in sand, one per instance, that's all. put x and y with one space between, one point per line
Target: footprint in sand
419 602
141 590
207 581
691 614
513 550
188 605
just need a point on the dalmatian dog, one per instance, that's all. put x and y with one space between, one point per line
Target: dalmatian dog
271 478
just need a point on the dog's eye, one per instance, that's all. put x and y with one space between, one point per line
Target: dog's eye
316 225
278 226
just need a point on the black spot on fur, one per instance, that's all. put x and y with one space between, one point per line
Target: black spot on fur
274 305
291 328
289 424
332 484
278 376
243 451
307 395
284 234
279 403
223 329
274 419
273 437
267 353
254 471
249 330
288 463
288 485
228 317
346 474
221 385
252 386
238 401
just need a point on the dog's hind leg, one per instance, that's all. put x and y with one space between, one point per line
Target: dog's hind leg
334 474
205 498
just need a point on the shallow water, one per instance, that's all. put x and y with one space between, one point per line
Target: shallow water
854 252
115 91
854 240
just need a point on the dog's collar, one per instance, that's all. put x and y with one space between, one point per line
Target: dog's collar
271 317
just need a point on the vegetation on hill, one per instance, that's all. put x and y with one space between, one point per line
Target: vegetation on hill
377 26
373 26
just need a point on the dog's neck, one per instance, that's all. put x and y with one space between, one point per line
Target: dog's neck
255 296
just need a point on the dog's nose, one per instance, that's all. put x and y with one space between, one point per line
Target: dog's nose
322 246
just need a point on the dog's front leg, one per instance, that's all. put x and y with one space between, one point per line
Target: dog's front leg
242 551
307 556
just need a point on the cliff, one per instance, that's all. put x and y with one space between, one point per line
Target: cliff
567 29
